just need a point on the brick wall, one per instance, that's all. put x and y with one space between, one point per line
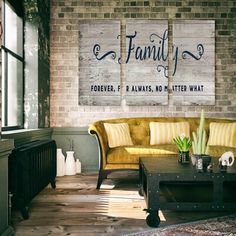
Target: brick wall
65 110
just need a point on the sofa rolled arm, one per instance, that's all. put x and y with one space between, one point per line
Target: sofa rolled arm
98 131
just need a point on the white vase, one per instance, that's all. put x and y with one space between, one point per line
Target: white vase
70 163
60 163
78 166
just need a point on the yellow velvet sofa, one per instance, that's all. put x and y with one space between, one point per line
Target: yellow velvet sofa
127 157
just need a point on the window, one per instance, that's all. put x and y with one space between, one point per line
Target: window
12 69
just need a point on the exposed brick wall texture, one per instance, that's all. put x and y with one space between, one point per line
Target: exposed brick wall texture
65 110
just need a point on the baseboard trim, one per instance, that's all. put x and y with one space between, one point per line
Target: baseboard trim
70 131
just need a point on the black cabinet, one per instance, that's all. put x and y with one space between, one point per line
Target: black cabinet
6 147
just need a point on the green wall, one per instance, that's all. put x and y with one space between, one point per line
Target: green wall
84 145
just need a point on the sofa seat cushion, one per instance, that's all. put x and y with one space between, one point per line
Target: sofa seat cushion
131 154
217 151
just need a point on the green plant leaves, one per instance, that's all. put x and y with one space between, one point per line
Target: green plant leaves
183 143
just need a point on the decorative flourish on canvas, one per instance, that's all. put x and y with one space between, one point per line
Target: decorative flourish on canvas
150 60
200 50
156 50
164 68
194 48
96 50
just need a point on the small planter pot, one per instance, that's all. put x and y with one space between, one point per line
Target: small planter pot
184 157
201 162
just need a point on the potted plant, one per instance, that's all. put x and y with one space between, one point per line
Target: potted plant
183 144
73 165
200 156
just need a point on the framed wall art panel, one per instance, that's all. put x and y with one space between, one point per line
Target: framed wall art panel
193 62
99 67
146 62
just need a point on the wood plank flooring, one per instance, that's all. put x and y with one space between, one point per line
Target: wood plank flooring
75 207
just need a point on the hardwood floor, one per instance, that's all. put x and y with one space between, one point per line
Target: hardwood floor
75 207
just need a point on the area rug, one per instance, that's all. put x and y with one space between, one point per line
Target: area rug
222 226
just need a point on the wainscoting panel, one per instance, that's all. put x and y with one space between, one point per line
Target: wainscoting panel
84 146
25 135
5 148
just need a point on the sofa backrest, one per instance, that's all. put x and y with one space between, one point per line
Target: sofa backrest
140 130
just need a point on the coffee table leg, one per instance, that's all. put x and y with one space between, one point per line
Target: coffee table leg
152 200
153 219
141 191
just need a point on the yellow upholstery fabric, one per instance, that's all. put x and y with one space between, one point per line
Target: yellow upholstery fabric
217 151
222 134
131 154
164 132
140 134
122 166
118 135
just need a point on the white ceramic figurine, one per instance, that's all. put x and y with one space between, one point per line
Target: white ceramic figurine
227 159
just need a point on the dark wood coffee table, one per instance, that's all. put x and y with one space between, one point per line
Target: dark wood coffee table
168 185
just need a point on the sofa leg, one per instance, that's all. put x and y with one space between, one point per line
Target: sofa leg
101 176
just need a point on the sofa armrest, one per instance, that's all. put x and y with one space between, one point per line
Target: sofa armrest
98 131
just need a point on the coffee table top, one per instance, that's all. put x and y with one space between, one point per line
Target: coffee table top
170 165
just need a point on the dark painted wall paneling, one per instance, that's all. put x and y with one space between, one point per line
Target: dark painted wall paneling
5 149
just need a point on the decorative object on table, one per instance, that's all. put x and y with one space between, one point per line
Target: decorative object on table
78 166
184 144
61 166
200 157
227 159
206 161
70 160
210 168
70 163
199 163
